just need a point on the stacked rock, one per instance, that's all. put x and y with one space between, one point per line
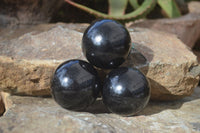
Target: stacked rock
106 45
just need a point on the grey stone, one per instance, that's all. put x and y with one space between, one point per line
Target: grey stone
194 7
168 63
42 115
186 27
14 13
28 58
197 53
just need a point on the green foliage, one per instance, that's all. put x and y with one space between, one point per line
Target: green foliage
190 0
170 8
134 3
117 9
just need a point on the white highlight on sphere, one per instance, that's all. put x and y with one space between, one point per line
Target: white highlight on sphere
119 89
98 39
65 82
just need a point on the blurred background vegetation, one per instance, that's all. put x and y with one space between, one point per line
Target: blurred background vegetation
88 10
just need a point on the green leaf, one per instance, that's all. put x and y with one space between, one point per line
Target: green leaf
88 10
117 7
134 3
144 9
170 8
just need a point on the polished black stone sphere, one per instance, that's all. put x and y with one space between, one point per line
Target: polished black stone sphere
75 85
126 91
106 44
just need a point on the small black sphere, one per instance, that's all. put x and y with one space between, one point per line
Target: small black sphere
126 91
75 85
106 44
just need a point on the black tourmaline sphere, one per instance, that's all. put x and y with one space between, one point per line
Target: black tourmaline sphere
75 85
126 91
106 44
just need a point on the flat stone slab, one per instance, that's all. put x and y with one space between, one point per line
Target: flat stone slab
185 27
42 115
28 58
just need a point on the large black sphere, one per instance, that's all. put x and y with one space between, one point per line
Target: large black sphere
106 44
126 91
75 85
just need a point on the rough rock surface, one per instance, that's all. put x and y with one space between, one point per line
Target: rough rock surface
197 53
28 60
194 7
169 65
26 12
42 115
186 27
2 107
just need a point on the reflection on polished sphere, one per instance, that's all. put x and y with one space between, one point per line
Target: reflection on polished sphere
75 85
106 44
126 91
